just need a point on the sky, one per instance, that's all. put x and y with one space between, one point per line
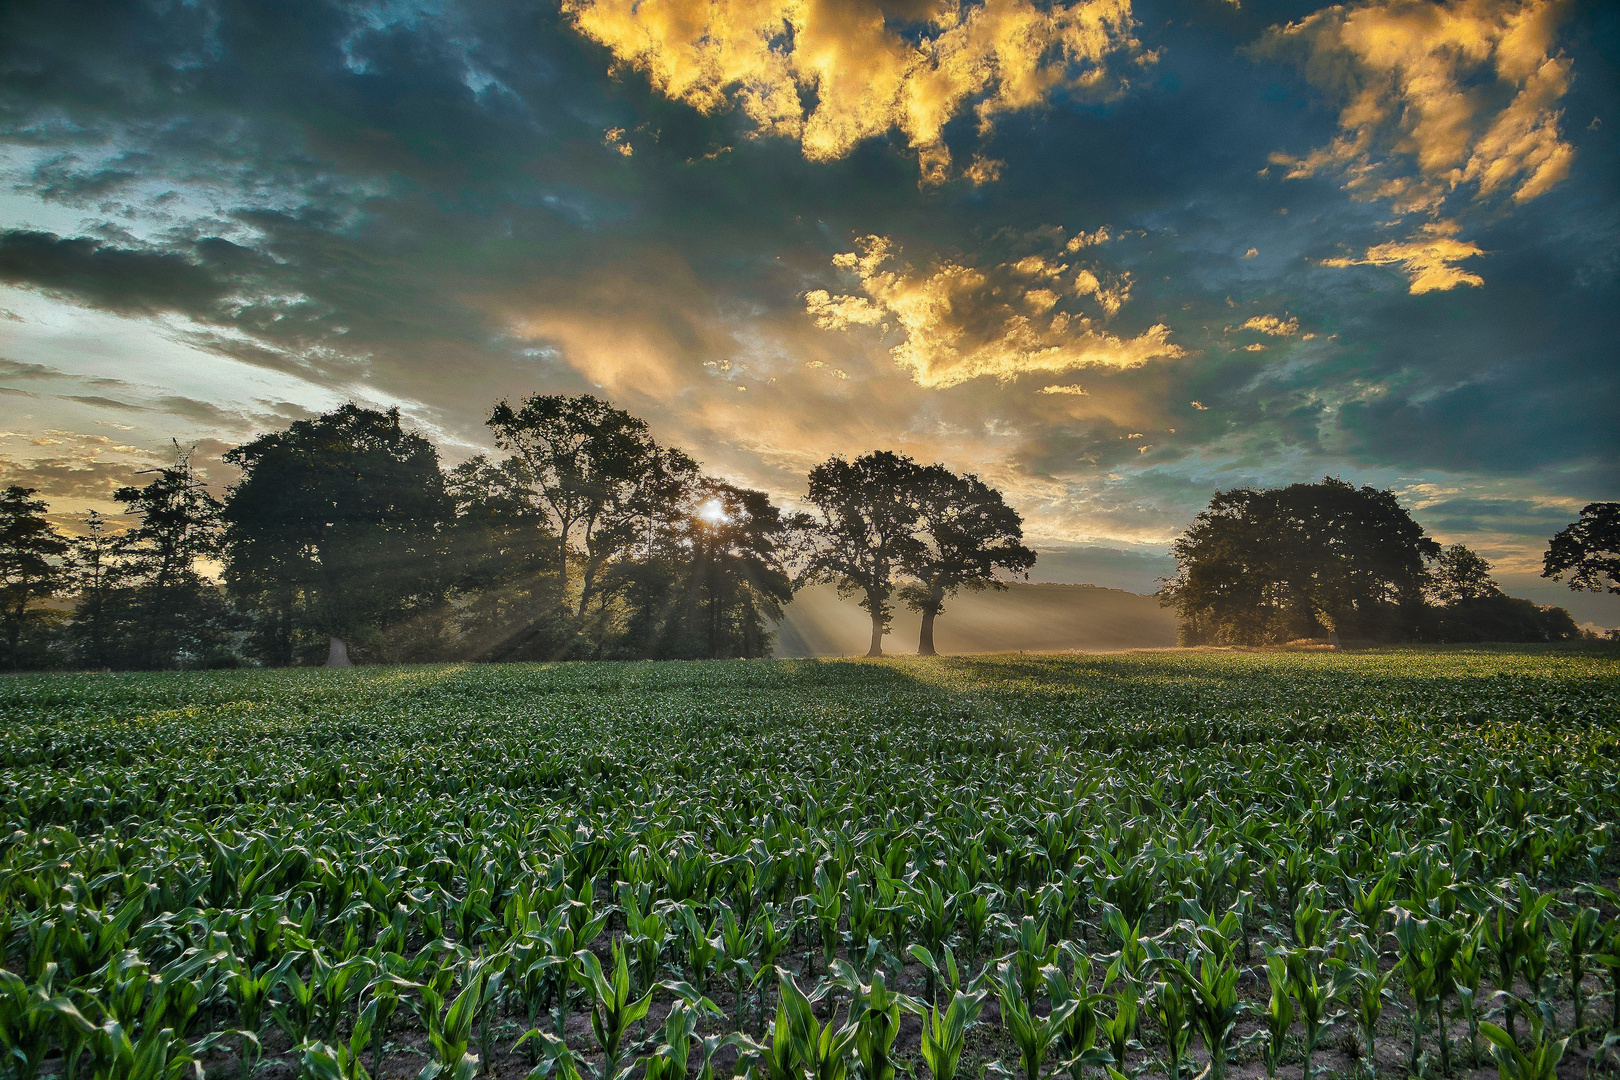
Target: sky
1110 255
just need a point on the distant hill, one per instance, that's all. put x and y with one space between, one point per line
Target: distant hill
1036 618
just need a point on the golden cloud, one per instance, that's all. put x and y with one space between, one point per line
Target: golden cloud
1428 258
1271 324
1436 96
961 322
868 66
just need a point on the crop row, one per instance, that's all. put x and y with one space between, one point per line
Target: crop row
668 870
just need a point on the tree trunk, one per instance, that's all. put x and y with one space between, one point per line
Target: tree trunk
337 654
925 640
877 634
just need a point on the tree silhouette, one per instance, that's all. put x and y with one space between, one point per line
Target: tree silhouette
29 570
1588 550
869 509
966 532
180 614
95 576
334 525
1270 566
1460 575
590 465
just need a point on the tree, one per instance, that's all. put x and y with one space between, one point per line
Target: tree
1460 575
95 577
334 526
29 568
738 579
589 465
967 533
1588 550
1270 566
869 510
177 616
501 560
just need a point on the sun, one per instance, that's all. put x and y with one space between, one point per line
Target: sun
713 512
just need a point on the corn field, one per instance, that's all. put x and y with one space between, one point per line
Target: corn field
1089 868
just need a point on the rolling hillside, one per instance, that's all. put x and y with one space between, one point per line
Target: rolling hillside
1036 618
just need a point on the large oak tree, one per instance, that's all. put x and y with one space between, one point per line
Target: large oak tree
334 525
868 513
1297 562
1589 550
965 534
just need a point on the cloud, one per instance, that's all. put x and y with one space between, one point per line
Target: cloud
960 322
829 73
104 275
1436 96
1271 324
1428 258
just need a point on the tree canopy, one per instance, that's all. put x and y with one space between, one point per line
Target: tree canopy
966 534
1300 562
29 547
869 509
335 524
889 528
1589 550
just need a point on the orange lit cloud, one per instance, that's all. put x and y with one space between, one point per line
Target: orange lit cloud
1428 258
1271 324
1436 96
961 322
867 67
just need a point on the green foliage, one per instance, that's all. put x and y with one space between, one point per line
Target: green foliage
1298 562
201 860
1589 550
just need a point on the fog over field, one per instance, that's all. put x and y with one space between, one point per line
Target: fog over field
1035 617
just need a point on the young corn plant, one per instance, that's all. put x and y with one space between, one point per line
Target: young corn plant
450 1033
875 1013
1031 954
1119 1030
738 944
1209 987
342 1060
1279 1016
33 1019
828 905
646 932
943 974
977 908
611 1006
1077 1042
1467 972
670 1060
1539 1062
1579 937
702 946
944 1036
933 911
1429 949
1170 1007
824 1050
1313 997
1367 990
1033 1035
384 991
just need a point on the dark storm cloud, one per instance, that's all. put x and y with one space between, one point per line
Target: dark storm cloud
105 276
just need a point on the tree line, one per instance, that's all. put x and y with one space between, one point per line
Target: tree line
1313 560
346 538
